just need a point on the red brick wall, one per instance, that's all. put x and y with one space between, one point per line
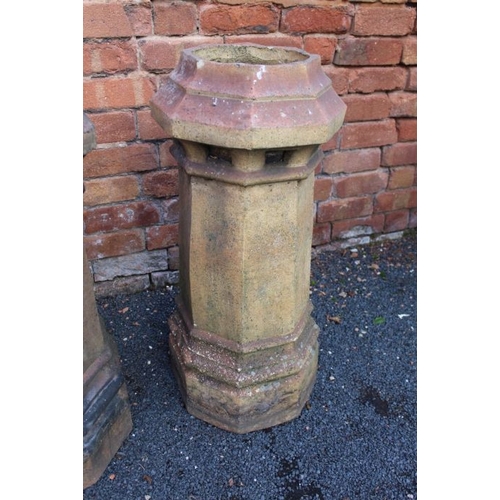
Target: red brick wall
366 185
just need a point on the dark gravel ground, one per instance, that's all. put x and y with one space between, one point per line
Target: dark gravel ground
356 438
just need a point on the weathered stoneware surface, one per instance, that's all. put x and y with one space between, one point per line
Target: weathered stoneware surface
248 121
89 140
107 420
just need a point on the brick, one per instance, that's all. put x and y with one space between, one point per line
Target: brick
368 80
322 188
360 184
403 104
173 258
99 246
130 265
351 161
319 168
116 217
401 177
348 208
105 21
316 19
321 234
170 209
110 56
148 127
333 143
395 200
368 134
113 126
115 92
383 1
166 157
323 45
353 228
162 236
407 129
339 78
409 50
161 184
371 51
383 20
141 19
122 286
120 160
235 20
161 54
284 3
396 221
269 40
412 79
176 18
402 153
109 190
366 107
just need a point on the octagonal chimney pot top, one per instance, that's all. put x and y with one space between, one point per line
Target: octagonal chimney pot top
248 96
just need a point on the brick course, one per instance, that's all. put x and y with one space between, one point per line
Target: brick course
140 18
360 184
109 190
124 216
177 18
322 233
407 129
120 160
117 92
148 128
109 57
383 20
402 153
403 104
161 184
348 208
314 19
372 51
323 45
356 160
160 54
105 20
113 126
372 79
357 227
368 134
375 106
99 246
225 19
322 188
395 200
409 51
366 183
396 221
401 177
162 236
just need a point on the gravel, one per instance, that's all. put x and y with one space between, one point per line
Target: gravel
356 437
